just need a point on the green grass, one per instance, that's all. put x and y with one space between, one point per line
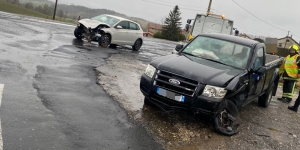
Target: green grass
12 8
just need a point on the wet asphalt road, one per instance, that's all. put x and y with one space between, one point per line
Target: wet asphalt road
51 99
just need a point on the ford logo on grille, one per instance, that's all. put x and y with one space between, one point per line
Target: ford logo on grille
174 81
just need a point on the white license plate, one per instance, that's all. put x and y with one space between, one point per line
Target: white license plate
170 95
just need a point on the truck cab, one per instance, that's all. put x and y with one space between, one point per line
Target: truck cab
209 23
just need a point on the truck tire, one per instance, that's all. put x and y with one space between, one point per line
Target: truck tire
226 121
265 99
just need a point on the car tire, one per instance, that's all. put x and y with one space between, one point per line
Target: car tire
226 121
137 45
105 40
265 99
78 33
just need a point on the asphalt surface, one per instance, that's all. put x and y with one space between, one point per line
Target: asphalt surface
51 99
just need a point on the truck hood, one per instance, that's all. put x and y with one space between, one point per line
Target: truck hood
204 71
89 23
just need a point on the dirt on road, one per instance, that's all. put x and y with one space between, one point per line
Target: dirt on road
274 127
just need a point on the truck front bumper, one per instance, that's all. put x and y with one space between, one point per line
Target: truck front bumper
197 104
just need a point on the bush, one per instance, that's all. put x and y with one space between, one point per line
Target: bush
158 35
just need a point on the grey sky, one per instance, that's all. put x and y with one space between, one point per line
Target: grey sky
279 13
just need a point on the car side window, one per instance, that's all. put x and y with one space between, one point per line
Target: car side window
259 59
133 26
124 24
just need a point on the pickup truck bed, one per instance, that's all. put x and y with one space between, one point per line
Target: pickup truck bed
271 58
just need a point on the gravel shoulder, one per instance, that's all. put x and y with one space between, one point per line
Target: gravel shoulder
274 127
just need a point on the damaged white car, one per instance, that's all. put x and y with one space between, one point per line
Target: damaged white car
111 31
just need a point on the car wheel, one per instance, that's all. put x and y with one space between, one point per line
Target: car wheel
265 99
78 33
226 121
105 40
137 45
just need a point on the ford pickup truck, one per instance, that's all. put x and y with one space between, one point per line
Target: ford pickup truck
214 74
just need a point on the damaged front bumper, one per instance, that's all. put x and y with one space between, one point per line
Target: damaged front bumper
197 104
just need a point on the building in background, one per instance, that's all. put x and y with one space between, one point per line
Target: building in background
153 28
286 42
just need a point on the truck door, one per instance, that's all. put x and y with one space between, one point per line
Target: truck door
257 74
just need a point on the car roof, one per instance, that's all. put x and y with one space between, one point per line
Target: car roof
120 18
231 38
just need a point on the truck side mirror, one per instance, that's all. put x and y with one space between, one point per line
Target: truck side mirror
186 28
178 47
189 21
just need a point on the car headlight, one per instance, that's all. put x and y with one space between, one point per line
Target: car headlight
78 24
214 92
150 70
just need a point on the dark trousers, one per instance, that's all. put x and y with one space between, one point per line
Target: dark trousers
288 89
297 103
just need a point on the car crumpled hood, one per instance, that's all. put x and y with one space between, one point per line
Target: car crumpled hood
201 70
89 23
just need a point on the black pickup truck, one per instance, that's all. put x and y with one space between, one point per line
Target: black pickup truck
214 74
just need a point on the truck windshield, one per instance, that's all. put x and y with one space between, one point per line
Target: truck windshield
106 19
228 53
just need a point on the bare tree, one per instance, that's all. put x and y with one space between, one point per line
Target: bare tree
29 5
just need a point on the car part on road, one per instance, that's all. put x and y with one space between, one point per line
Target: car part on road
225 122
137 45
105 40
113 46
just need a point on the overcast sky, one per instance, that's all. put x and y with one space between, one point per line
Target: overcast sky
280 13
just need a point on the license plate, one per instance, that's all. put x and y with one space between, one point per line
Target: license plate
170 95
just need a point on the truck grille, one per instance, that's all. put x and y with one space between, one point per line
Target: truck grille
186 87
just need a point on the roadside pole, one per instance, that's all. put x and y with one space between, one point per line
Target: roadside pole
55 10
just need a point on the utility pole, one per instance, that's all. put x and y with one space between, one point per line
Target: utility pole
286 39
54 10
209 7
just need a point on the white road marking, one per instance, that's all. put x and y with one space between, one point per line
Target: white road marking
1 141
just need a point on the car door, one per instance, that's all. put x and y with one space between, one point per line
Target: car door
256 77
120 35
134 32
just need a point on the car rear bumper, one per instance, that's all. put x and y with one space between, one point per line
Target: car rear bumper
197 104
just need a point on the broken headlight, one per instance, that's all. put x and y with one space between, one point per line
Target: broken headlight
214 92
150 70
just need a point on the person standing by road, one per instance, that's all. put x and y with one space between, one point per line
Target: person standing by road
289 69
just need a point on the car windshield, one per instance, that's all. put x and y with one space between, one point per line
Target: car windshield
106 19
224 52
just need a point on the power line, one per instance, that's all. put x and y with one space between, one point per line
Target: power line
257 17
171 6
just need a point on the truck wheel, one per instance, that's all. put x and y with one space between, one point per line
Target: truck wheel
265 99
78 33
225 122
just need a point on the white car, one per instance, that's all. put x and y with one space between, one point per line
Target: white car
110 31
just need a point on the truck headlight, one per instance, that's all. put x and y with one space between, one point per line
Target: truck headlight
214 92
150 70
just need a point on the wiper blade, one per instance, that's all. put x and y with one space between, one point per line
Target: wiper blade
215 61
188 54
